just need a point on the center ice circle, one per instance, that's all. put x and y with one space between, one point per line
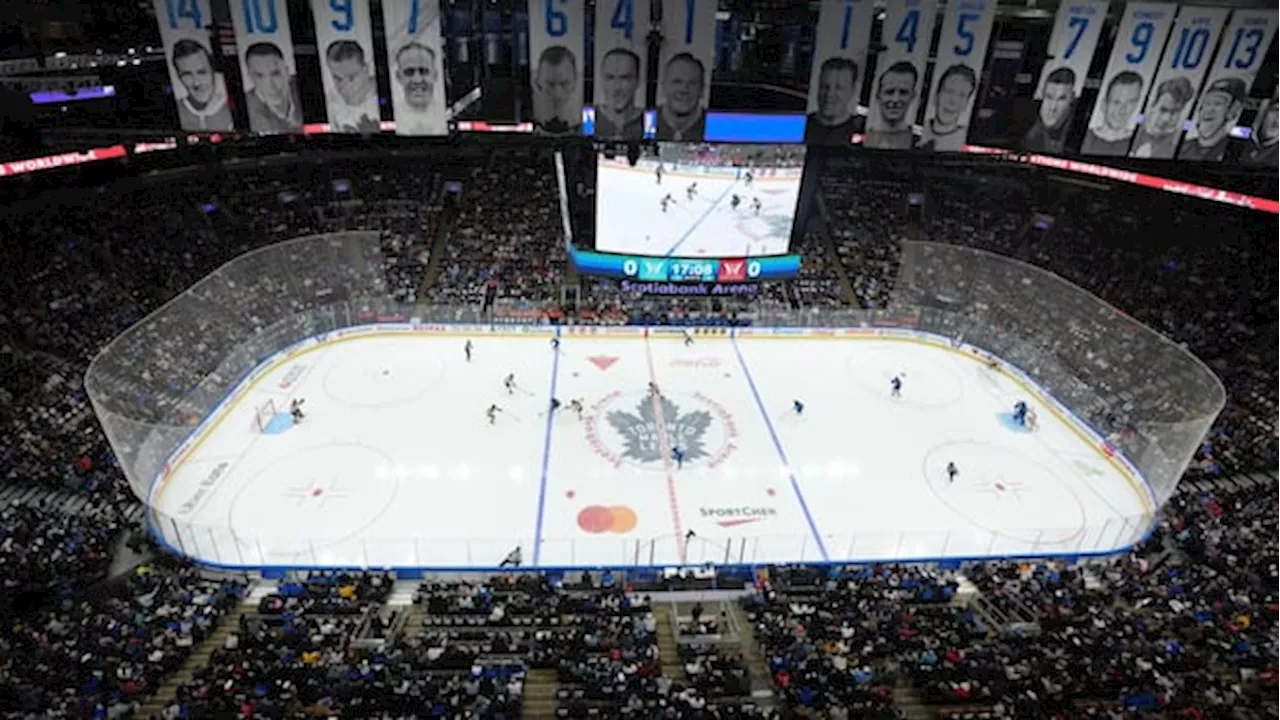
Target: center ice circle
310 499
1032 501
377 379
926 383
629 428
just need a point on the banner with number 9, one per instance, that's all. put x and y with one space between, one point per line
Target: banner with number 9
199 87
621 61
899 80
344 42
556 72
1140 38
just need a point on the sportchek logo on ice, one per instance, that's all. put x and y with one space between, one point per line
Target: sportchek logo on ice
736 515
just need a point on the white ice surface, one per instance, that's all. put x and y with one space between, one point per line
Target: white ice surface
396 464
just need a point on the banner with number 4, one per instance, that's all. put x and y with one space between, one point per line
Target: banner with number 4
895 94
620 69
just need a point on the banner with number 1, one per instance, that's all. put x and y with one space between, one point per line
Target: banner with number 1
199 87
839 64
895 94
556 44
684 70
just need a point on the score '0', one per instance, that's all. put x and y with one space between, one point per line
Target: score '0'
753 269
629 267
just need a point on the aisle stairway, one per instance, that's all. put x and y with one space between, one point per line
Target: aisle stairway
540 688
757 667
668 652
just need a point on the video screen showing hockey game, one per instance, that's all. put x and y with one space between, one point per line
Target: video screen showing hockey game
699 200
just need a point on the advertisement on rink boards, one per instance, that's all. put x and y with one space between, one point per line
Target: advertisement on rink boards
1241 54
415 53
1140 38
556 72
841 40
264 47
1076 29
620 52
900 68
199 87
1182 68
962 49
684 68
344 42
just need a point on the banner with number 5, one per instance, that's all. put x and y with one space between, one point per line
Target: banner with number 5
264 45
415 54
1182 68
1240 55
962 48
199 88
899 81
621 60
684 70
556 44
1140 39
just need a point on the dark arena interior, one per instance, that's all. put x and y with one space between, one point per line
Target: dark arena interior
638 359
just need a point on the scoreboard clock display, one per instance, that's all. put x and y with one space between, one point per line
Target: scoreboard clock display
690 270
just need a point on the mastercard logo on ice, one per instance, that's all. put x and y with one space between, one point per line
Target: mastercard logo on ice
598 519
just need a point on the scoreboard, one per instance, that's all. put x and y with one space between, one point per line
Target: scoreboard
685 270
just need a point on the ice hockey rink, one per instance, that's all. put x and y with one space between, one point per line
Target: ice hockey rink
630 219
396 465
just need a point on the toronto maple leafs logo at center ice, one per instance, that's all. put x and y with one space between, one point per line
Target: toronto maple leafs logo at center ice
699 426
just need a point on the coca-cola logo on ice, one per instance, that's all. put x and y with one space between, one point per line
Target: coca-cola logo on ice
696 363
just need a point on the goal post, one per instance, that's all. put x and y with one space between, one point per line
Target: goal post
262 415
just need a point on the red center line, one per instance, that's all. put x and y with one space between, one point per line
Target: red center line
664 450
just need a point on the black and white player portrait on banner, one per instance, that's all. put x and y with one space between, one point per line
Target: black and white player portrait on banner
1140 39
1243 51
1221 105
345 40
1182 68
1264 140
556 46
892 112
1076 30
620 69
962 47
199 89
835 80
263 37
416 59
684 71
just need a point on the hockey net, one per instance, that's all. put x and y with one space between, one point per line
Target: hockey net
263 414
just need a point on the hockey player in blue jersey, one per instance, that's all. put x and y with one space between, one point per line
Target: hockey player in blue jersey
797 406
1020 413
895 386
678 455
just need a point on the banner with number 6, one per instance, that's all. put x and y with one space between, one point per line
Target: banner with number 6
1076 30
344 42
264 46
1240 56
415 54
962 48
684 69
1140 39
899 81
621 61
199 88
1182 68
556 46
839 64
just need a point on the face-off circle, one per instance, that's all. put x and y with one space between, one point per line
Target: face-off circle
630 428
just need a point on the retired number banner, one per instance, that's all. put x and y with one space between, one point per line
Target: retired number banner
1182 68
962 48
556 73
199 88
344 42
1241 54
908 30
620 69
1076 30
264 45
684 68
1139 42
839 64
416 58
